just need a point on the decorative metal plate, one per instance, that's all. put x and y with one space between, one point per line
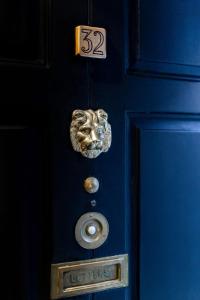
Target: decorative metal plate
88 276
90 41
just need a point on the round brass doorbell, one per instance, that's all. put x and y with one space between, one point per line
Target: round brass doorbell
91 230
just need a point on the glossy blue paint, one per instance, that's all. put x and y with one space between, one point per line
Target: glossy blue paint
158 120
167 38
168 206
149 179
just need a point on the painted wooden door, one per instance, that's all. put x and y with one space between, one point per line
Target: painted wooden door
149 179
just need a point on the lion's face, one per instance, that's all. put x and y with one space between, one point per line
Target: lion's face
90 132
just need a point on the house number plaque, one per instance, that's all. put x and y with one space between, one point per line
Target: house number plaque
88 276
90 41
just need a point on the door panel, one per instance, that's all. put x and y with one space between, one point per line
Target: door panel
164 38
24 213
177 23
168 207
24 32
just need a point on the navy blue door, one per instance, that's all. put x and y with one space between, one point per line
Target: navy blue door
149 179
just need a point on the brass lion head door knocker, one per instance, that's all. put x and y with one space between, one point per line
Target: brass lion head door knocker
90 132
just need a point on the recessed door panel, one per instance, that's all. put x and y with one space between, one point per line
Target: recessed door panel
24 31
169 210
165 35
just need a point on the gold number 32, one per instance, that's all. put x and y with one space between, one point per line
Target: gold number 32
88 38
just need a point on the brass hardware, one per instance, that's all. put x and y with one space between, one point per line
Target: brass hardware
90 41
88 276
91 185
90 132
91 230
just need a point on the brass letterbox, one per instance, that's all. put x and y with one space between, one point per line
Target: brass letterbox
88 276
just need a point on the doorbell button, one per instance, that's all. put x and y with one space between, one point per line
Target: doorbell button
91 230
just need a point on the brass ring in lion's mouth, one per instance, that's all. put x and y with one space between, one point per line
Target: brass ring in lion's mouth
91 153
91 147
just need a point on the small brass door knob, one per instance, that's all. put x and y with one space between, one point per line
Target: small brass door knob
91 185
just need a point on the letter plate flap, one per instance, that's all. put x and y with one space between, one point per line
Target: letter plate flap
89 276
